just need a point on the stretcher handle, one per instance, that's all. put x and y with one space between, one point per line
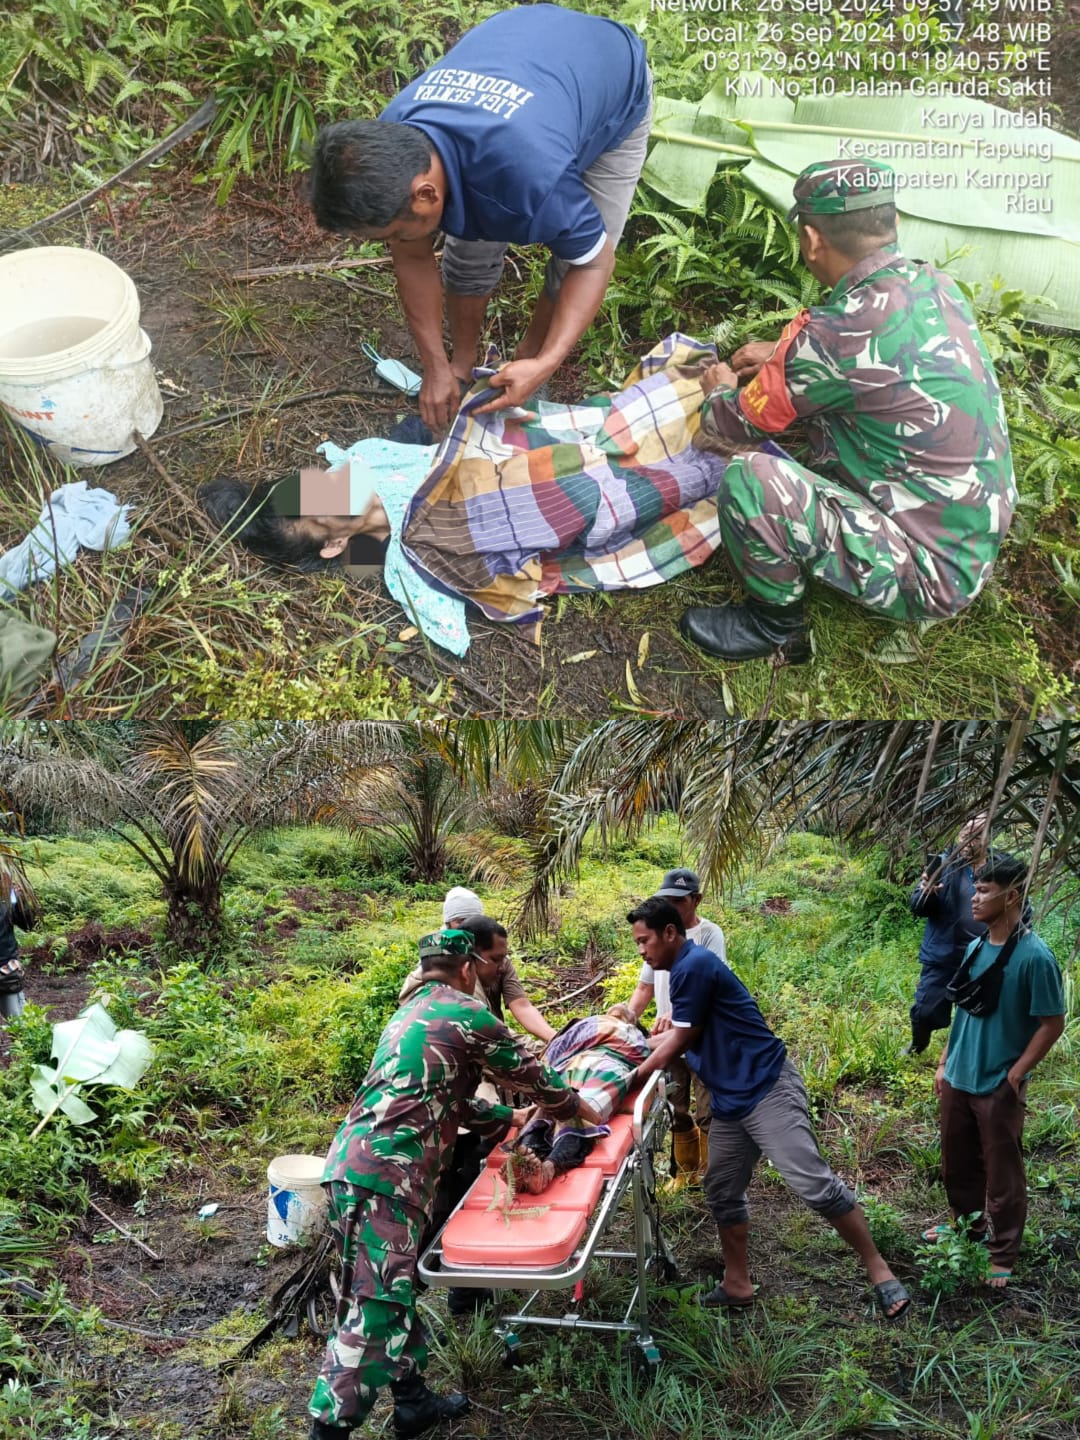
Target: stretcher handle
654 1086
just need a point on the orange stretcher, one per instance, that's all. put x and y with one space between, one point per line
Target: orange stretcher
480 1248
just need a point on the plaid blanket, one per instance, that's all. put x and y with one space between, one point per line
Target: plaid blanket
598 496
598 1056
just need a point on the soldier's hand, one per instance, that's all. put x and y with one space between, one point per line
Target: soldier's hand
586 1112
718 374
748 359
522 1117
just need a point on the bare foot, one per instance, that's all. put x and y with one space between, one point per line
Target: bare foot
531 1174
998 1279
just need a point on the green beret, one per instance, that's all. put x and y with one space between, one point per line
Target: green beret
835 187
446 942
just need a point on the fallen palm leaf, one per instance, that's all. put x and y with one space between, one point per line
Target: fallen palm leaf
504 1204
631 688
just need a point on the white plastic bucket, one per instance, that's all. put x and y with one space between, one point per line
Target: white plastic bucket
75 368
296 1207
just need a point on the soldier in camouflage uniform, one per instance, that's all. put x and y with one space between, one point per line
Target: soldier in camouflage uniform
381 1175
911 490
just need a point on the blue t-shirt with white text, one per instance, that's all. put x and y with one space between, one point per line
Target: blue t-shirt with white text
738 1056
518 111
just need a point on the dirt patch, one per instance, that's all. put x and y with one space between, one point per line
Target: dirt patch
776 905
94 942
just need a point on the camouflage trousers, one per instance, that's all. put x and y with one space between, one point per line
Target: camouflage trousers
782 523
377 1335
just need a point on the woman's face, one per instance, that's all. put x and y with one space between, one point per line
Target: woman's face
332 533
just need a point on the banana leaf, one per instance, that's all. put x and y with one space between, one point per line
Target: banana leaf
88 1050
977 230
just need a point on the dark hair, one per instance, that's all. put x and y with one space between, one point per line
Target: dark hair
362 173
657 913
857 232
443 961
247 511
483 929
1003 870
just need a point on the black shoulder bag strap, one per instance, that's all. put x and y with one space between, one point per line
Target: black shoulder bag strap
980 996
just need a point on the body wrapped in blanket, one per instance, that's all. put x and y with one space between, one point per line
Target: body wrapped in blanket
604 495
598 1057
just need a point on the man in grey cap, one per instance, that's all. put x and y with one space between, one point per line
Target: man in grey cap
909 489
690 1139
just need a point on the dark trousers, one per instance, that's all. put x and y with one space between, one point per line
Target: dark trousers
466 1161
686 1091
982 1163
932 1009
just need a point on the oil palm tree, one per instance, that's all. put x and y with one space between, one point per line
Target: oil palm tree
738 785
433 798
186 797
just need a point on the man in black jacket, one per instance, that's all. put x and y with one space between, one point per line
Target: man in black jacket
943 898
15 909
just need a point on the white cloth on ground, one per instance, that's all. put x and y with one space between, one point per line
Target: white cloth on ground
75 516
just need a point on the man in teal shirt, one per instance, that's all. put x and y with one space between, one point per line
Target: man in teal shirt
982 1079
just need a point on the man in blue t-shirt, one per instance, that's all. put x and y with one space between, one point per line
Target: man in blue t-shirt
532 130
759 1105
982 1078
943 898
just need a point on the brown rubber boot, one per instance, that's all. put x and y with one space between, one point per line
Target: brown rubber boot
687 1161
703 1144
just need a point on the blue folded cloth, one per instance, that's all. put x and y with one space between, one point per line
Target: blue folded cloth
77 516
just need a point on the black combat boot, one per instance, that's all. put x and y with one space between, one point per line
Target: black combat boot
461 1300
416 1408
321 1431
750 631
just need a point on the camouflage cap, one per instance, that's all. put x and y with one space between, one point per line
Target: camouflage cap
446 942
836 187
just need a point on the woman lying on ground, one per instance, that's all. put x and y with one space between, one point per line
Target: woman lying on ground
509 510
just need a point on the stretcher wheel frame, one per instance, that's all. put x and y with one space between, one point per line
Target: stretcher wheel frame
643 1355
632 1174
512 1356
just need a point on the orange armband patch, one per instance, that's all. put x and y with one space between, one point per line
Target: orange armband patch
765 401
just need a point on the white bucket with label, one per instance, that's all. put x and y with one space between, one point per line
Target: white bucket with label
75 367
296 1208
